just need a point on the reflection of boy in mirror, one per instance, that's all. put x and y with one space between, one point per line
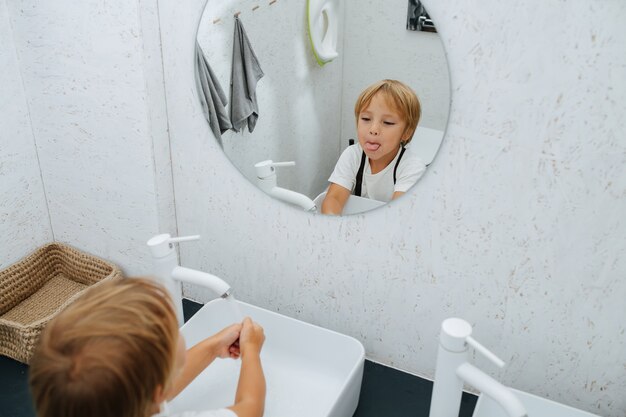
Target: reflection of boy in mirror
379 166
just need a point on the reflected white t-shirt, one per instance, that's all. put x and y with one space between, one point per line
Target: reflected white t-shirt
377 186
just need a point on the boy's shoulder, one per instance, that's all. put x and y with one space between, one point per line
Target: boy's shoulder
412 157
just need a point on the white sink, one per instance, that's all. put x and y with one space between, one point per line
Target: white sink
535 407
310 371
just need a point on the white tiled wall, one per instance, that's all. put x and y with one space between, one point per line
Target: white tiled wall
24 221
95 97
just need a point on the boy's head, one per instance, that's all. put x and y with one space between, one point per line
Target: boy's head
398 96
111 353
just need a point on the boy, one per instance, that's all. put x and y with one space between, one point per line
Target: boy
117 352
379 167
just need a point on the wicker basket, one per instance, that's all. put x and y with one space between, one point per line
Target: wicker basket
37 288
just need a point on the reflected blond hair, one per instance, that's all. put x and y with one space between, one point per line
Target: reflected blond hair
399 96
106 354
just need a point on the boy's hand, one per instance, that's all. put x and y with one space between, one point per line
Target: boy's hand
225 342
251 338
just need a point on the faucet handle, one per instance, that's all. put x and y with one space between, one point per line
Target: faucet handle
485 352
265 169
162 245
456 334
184 238
284 164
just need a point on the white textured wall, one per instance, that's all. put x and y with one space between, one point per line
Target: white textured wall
378 46
299 102
24 221
92 87
517 227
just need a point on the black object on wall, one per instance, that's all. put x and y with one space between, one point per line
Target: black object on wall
417 18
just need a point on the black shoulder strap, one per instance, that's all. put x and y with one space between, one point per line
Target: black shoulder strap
397 163
359 176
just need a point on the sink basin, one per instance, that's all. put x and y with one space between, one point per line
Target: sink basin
310 371
535 407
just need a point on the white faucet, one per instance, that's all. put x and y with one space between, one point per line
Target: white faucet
266 178
170 274
453 369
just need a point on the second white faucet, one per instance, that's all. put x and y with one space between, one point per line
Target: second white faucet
453 369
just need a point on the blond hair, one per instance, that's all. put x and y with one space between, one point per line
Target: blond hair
106 354
400 96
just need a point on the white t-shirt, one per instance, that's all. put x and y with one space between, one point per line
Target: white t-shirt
377 186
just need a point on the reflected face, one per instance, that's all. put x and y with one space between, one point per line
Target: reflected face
380 129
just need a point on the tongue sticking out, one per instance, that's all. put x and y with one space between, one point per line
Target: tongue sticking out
371 146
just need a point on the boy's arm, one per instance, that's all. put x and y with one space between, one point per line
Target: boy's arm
335 199
397 194
250 396
220 345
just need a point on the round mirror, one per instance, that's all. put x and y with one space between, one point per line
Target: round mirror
279 82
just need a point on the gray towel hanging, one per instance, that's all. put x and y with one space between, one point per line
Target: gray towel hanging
246 72
212 97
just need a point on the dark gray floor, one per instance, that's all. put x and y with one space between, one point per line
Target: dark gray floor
385 392
14 395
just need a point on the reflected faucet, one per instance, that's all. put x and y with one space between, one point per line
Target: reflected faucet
171 275
266 178
453 369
